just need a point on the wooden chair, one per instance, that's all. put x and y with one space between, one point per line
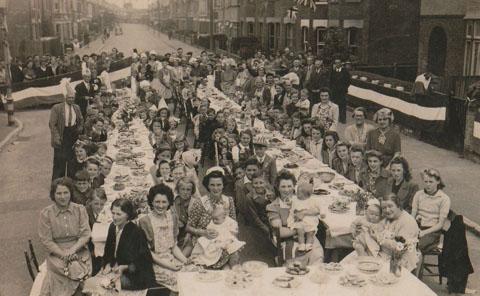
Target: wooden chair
32 262
425 268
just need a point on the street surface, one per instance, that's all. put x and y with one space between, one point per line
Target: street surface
26 171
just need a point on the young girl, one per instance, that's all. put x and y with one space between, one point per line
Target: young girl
304 215
367 229
430 208
78 161
244 149
185 190
328 148
375 178
163 173
101 150
341 162
164 116
231 126
209 251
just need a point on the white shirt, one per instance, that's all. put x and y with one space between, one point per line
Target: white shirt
315 148
69 111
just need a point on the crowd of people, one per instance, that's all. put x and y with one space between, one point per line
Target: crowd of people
184 222
41 67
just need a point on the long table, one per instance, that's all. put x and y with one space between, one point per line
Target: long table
189 285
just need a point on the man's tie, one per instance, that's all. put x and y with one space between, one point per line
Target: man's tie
69 118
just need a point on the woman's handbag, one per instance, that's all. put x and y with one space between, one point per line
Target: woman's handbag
77 270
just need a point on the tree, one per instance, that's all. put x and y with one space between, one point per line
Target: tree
308 3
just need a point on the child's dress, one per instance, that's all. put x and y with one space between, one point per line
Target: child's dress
367 237
308 223
208 251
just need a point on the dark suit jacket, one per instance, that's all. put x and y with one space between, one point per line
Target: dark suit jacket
132 251
269 169
339 81
81 92
318 80
405 193
43 73
57 122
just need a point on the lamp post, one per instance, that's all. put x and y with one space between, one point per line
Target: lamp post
6 51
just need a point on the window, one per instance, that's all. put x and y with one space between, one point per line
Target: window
471 65
289 35
353 36
250 29
271 36
321 38
305 38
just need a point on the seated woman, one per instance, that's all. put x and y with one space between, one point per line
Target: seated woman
398 223
200 209
278 211
64 231
374 178
81 151
430 208
401 182
127 261
161 229
341 163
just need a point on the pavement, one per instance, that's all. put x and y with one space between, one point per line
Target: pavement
26 170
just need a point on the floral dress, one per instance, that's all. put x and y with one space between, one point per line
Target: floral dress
165 231
323 114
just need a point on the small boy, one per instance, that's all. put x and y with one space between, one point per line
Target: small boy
93 169
94 208
82 192
266 163
256 202
356 165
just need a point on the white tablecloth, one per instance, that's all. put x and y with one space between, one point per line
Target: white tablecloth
189 286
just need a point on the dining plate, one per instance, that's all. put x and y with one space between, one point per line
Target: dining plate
384 279
256 268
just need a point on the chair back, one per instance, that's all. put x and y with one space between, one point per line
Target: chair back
31 260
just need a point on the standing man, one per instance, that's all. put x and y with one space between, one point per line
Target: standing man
318 79
339 83
84 92
66 123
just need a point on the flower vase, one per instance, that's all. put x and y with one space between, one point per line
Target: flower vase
395 267
360 208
